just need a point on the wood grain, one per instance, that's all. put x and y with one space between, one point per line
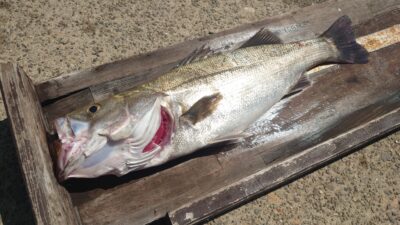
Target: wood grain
152 196
305 23
50 202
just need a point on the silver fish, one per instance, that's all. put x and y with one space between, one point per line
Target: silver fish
205 102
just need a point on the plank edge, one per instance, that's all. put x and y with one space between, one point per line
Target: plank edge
50 203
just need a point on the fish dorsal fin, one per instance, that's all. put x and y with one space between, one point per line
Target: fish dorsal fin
198 54
202 108
303 83
262 37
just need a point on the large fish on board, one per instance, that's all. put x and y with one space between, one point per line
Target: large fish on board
201 103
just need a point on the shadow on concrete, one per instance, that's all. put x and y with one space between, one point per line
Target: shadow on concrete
14 203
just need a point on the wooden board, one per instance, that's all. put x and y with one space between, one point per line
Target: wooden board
349 105
51 204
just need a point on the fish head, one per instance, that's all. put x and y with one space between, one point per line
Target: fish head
114 136
82 132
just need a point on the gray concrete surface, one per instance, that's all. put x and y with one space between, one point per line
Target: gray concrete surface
52 37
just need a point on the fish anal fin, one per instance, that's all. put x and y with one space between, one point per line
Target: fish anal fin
202 108
303 83
262 37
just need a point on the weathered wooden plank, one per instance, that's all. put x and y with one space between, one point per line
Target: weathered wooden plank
50 202
292 26
151 198
381 20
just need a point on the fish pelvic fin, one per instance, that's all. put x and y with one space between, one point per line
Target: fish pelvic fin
262 37
342 36
202 108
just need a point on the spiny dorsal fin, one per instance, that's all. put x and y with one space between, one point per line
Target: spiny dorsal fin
303 83
199 53
202 108
262 37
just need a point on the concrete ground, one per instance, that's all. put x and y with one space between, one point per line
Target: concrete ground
49 37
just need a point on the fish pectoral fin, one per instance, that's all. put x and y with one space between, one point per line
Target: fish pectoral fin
202 108
302 84
262 37
199 53
230 139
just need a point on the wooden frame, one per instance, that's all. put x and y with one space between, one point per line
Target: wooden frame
50 202
363 103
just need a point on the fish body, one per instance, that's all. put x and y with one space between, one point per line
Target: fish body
195 105
257 78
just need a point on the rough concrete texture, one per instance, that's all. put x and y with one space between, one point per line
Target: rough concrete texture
49 38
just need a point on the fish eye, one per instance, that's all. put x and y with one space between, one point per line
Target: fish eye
93 108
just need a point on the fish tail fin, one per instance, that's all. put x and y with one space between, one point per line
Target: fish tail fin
342 36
